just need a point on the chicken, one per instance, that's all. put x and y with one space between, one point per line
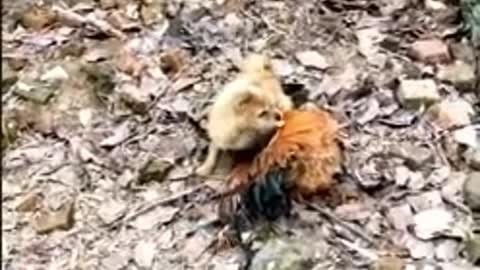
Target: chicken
300 160
247 111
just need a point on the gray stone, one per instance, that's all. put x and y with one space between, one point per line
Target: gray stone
312 59
459 73
432 223
36 92
413 93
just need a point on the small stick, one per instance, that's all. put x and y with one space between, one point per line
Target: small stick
162 201
346 225
78 20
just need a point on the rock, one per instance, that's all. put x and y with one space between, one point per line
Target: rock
55 74
426 200
134 98
400 216
435 5
472 156
154 170
413 93
459 73
447 250
36 92
452 112
111 211
284 254
30 202
472 248
432 223
471 191
431 51
37 18
467 136
48 221
312 59
144 253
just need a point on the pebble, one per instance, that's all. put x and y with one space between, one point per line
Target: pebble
413 93
432 223
459 73
312 59
430 51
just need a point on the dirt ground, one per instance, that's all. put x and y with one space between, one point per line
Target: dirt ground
104 104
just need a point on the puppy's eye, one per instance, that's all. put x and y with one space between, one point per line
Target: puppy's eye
263 114
278 116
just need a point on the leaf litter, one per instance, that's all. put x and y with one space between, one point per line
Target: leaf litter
112 128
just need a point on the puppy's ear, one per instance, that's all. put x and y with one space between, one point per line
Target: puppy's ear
244 98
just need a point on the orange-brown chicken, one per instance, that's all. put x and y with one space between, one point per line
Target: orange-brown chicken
301 158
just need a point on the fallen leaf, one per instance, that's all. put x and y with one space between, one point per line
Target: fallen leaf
155 217
120 134
111 211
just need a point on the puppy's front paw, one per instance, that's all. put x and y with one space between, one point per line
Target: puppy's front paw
203 170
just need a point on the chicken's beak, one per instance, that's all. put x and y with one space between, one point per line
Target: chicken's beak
280 123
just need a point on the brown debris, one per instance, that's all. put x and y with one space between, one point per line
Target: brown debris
47 221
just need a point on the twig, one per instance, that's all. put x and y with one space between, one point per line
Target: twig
362 251
159 202
78 20
346 225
